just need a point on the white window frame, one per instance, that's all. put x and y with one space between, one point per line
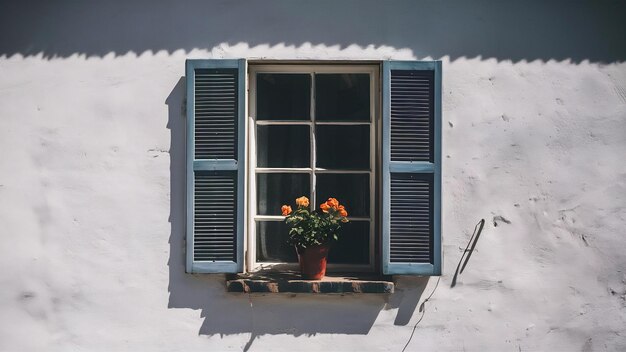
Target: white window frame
253 69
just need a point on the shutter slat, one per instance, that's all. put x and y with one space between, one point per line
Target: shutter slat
216 114
411 226
215 216
411 115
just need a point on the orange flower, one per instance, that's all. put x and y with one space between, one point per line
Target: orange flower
332 202
286 210
342 211
302 202
324 207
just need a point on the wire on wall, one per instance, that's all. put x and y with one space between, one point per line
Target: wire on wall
423 310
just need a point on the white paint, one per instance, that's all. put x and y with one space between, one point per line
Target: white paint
91 186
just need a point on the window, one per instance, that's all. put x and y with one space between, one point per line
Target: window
385 121
313 133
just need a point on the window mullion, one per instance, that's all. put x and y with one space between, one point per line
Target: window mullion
269 170
313 143
373 222
343 123
279 122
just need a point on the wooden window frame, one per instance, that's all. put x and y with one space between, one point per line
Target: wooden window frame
375 154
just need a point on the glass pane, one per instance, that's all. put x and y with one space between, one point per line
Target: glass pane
274 190
283 146
343 147
352 190
271 243
342 97
351 248
353 244
283 96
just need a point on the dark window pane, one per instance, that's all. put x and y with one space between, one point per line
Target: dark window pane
283 146
343 147
353 245
283 96
351 248
271 243
352 190
274 190
342 97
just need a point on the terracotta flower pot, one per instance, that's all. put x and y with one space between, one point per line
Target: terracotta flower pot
313 262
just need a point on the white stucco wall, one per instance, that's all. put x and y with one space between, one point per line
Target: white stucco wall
92 177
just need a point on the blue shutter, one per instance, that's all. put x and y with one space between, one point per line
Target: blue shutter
215 165
411 167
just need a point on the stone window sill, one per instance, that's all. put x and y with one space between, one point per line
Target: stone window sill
290 282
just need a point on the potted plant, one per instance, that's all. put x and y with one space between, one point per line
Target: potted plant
311 232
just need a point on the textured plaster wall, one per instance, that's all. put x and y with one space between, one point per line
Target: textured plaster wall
92 177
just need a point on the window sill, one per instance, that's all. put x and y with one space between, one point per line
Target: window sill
290 282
